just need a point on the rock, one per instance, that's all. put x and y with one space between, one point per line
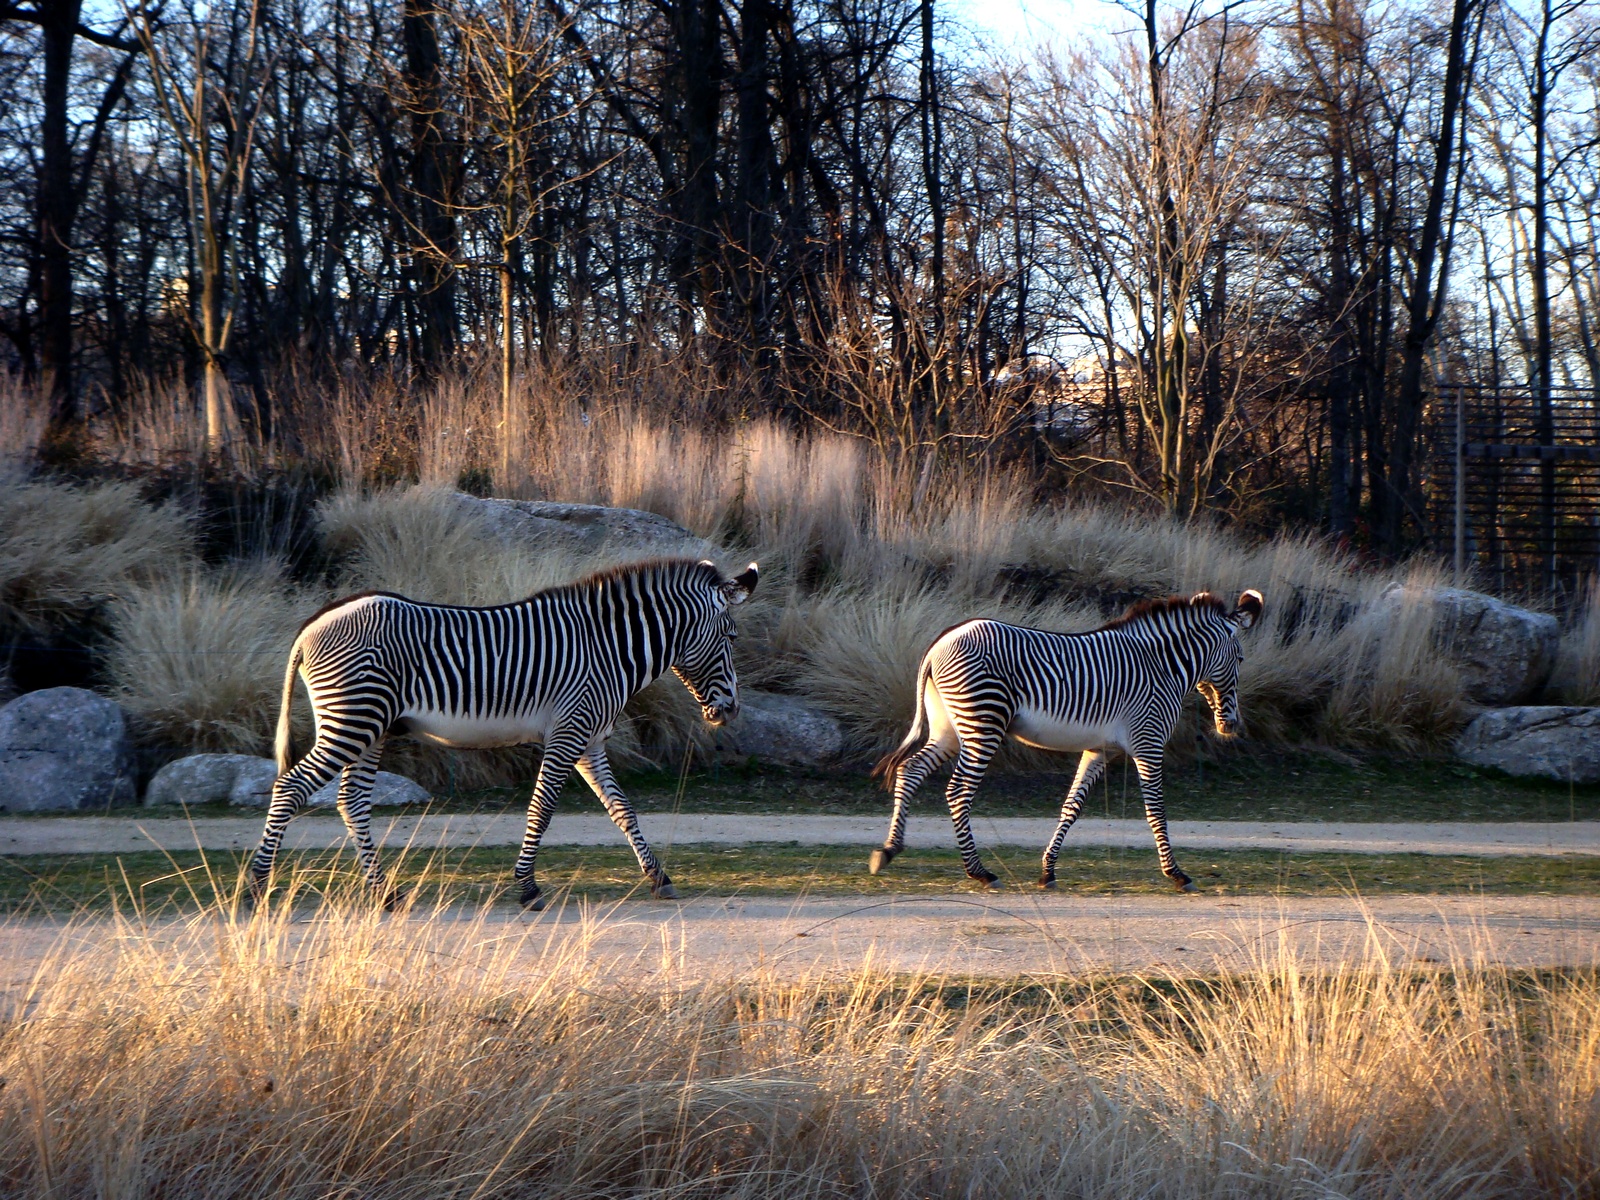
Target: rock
388 789
63 749
246 780
214 779
1505 653
583 528
781 729
1547 741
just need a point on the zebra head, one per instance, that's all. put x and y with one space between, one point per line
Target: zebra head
1219 669
705 656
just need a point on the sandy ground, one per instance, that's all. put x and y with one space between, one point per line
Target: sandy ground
987 934
85 835
974 934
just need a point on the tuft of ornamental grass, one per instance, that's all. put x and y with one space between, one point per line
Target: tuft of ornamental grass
198 660
456 1053
67 549
1576 678
22 424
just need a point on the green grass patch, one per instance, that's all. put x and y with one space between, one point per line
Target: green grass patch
1238 787
63 883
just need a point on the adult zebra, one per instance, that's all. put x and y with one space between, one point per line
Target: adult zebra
1120 686
555 668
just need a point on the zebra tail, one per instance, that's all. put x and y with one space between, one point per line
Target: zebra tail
919 725
284 745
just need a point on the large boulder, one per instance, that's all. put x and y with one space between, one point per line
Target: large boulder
1505 653
246 780
63 749
781 729
1546 741
213 779
583 528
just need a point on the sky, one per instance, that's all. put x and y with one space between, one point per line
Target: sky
1022 24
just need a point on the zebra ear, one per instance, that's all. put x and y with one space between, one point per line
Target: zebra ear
1251 606
738 589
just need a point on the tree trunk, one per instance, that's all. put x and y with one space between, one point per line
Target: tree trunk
1428 288
434 270
56 208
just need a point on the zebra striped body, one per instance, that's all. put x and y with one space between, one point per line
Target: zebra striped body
555 669
1121 687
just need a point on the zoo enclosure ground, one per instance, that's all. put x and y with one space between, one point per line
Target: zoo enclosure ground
1240 786
156 881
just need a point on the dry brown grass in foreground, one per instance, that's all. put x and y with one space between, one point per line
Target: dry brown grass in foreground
351 1055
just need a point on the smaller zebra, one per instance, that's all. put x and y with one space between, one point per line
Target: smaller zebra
1119 687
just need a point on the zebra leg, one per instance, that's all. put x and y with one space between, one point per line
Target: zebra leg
910 776
355 806
977 751
1090 767
595 768
1155 812
560 755
290 793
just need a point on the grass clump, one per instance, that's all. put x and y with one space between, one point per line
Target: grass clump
66 550
198 660
454 1054
1576 679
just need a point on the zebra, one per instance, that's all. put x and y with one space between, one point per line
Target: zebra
1121 686
555 668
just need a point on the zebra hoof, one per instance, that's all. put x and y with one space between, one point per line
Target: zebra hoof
1047 883
665 891
392 899
255 894
1184 884
988 880
879 859
532 900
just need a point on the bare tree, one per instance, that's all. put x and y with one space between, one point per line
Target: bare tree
208 78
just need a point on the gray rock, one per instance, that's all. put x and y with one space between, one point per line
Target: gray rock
240 779
780 729
582 528
1547 741
63 749
388 789
247 781
1505 653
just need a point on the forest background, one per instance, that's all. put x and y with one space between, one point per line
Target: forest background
1221 255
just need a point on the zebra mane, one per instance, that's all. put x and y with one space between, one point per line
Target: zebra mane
1146 609
647 566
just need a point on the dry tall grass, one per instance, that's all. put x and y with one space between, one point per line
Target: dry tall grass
1576 679
862 565
452 1055
65 550
22 423
197 660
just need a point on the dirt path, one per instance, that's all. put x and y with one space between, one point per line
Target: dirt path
972 934
89 835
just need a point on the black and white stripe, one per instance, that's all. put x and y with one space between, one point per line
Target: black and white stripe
556 668
1119 687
